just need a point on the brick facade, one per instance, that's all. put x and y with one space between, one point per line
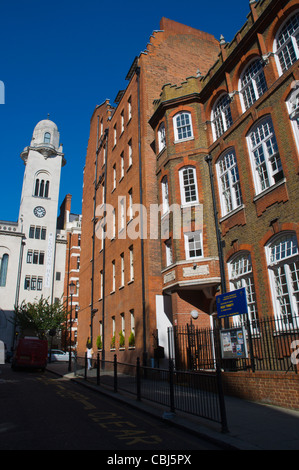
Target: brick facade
171 53
177 83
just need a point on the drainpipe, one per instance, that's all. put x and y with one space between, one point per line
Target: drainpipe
92 310
141 222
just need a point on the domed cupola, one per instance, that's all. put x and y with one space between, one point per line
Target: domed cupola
45 140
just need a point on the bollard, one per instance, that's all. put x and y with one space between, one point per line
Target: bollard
138 380
115 373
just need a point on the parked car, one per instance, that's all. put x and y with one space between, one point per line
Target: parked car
60 356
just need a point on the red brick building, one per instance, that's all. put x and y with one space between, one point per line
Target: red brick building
241 141
207 130
120 273
70 224
243 121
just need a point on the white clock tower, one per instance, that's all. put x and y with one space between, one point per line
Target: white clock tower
44 159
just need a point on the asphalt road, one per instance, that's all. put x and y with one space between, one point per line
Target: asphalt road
40 411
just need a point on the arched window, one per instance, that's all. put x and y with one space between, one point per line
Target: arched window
47 138
252 83
283 266
188 185
286 44
265 159
42 186
221 116
228 182
36 190
240 275
182 124
3 269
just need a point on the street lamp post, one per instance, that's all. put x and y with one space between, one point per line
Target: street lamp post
72 291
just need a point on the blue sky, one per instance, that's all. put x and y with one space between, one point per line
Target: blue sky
65 57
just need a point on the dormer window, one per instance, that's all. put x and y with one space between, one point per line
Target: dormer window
47 138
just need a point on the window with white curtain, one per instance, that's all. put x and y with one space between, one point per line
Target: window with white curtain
228 182
221 116
161 137
188 185
264 155
293 109
240 275
283 266
165 196
182 124
252 83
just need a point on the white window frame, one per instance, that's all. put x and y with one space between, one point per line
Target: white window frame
283 267
168 252
189 187
114 178
114 135
183 130
190 245
130 153
252 84
228 182
241 275
130 208
264 155
131 254
113 275
221 116
122 214
165 195
122 268
161 137
122 166
292 104
122 122
285 44
129 108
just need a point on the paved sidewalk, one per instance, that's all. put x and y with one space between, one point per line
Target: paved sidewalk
252 426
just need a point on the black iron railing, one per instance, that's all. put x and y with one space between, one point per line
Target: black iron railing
197 393
271 346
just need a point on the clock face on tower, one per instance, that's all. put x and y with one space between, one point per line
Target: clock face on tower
39 211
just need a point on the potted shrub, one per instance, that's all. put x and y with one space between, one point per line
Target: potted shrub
113 342
121 340
131 340
99 342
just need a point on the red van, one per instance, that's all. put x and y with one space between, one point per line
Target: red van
31 352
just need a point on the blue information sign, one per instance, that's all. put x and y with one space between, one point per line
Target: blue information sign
232 303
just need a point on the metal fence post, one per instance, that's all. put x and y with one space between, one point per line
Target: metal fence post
171 387
115 373
138 380
85 367
221 400
98 369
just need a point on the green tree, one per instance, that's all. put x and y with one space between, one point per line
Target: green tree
40 316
